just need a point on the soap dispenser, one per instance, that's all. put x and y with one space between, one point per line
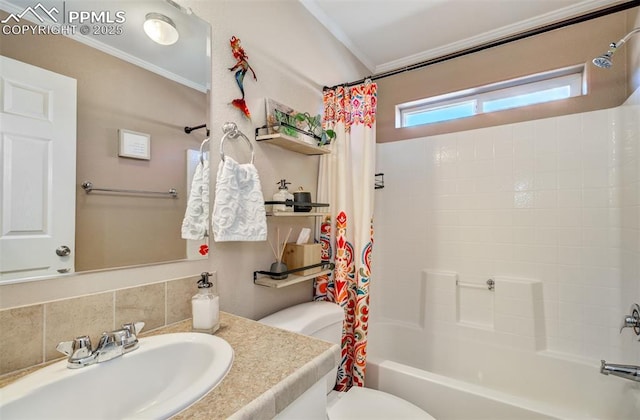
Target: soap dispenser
283 194
206 306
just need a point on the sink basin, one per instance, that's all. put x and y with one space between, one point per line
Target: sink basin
164 376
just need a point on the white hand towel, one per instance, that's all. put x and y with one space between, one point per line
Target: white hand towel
196 216
238 208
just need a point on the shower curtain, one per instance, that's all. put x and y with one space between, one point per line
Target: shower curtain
346 181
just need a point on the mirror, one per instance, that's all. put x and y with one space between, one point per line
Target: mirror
126 83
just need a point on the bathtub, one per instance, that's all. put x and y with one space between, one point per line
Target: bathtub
447 398
464 351
458 378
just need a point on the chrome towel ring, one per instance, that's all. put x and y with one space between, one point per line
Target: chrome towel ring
202 152
231 131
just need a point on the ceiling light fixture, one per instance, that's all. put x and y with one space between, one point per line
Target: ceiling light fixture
160 29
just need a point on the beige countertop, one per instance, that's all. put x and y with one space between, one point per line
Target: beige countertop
271 368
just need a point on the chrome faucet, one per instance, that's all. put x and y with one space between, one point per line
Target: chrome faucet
112 344
633 320
623 371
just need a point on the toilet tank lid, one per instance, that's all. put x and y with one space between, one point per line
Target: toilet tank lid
306 318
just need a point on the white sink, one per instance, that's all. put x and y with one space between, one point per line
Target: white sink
164 376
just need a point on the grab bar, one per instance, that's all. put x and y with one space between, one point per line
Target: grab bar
231 131
491 285
88 187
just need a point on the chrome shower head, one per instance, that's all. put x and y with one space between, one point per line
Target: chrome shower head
603 61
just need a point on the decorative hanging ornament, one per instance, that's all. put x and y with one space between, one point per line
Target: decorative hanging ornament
241 67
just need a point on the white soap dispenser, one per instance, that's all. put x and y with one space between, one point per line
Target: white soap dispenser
205 306
283 194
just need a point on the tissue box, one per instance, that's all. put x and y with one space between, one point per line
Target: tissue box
296 256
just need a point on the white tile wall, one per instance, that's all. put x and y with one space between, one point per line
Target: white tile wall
628 196
554 200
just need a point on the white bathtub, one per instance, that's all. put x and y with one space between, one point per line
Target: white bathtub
476 380
447 398
464 352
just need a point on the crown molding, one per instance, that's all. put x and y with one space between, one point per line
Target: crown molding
509 30
315 10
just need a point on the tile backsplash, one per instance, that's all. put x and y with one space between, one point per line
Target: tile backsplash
31 333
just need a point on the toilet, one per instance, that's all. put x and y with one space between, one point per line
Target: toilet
324 320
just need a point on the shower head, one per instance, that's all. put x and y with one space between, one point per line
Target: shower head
604 61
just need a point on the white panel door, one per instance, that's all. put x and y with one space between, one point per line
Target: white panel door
37 172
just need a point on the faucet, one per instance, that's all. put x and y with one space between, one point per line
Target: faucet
112 344
623 371
632 321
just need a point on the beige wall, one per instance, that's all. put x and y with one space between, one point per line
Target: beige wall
569 46
114 230
293 56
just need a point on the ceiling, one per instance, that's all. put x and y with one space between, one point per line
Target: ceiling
390 34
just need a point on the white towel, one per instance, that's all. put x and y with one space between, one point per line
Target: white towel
196 217
238 209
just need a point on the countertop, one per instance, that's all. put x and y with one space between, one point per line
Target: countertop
271 368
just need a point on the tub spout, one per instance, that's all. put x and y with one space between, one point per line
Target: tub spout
623 371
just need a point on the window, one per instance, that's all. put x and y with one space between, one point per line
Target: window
515 93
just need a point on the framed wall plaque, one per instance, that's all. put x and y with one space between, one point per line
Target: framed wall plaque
134 145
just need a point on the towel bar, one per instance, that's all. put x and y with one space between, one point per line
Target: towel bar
88 187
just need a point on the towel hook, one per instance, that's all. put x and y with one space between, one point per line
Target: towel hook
231 131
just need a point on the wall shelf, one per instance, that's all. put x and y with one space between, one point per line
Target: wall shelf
293 144
297 214
291 203
289 142
292 278
272 135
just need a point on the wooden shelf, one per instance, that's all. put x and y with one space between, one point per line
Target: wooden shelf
292 278
289 281
297 214
293 144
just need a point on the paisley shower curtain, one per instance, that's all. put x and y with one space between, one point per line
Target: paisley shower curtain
346 181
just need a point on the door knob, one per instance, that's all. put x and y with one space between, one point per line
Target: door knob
63 251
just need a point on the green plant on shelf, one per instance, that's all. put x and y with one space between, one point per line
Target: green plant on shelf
290 122
314 126
286 121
